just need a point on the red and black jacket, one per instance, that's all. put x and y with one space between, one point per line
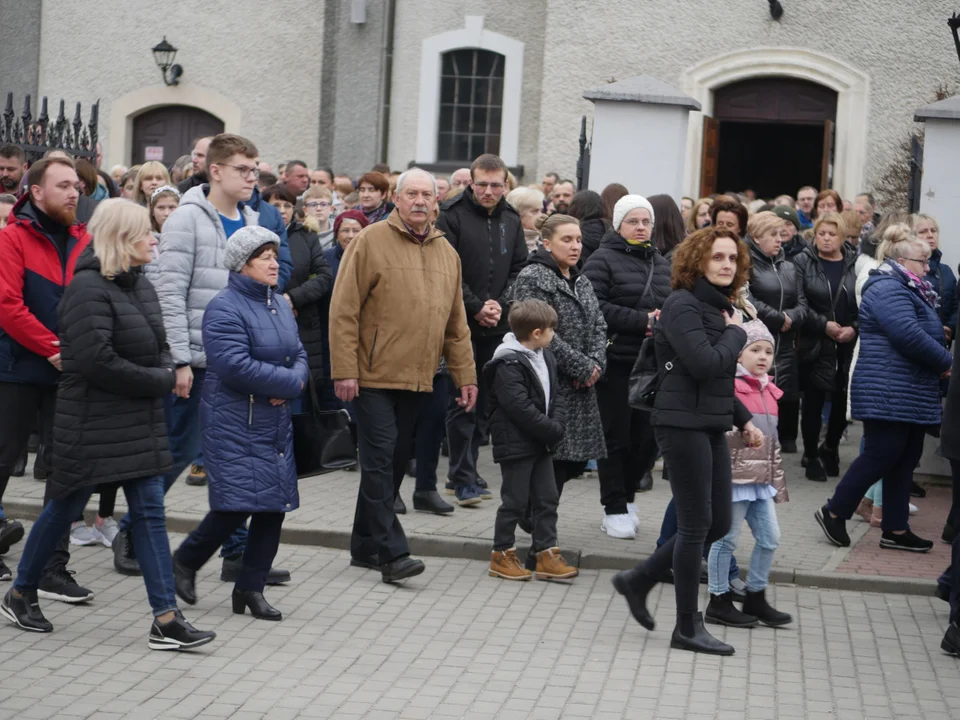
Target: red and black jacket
34 272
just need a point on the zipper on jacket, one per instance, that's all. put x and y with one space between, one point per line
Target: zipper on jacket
373 346
250 413
776 340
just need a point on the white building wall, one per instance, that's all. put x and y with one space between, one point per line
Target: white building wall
905 48
261 59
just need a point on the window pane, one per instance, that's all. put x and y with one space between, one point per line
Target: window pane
447 59
471 97
481 91
446 118
462 120
448 90
445 147
480 119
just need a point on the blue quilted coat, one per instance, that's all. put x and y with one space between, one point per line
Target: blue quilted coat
253 354
902 352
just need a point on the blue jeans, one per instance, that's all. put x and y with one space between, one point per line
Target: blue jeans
183 431
669 527
761 516
145 499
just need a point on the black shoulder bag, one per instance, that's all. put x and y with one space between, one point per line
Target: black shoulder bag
322 441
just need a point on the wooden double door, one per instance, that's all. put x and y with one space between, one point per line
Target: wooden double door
165 133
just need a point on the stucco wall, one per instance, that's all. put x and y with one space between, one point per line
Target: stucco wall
905 48
523 21
19 46
265 58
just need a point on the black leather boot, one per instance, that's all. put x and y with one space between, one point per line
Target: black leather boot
635 585
830 457
690 634
184 582
722 611
20 469
646 482
756 604
259 607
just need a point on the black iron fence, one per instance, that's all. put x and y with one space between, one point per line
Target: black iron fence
916 174
583 162
37 136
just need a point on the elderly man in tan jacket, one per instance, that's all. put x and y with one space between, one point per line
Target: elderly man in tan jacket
397 308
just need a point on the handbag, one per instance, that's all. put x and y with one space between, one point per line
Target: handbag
645 377
322 441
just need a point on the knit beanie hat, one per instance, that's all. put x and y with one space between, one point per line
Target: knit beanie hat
757 331
787 213
626 204
350 215
244 243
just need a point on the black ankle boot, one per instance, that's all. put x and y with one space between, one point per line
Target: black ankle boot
184 582
259 607
756 604
635 585
814 468
830 457
722 611
690 634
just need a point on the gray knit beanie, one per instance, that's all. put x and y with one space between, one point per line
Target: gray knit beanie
244 243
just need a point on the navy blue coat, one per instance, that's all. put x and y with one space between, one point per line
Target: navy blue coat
944 282
902 353
253 354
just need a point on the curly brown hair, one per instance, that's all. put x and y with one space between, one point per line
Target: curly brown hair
692 255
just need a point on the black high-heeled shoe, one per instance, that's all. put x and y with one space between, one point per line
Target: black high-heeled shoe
259 607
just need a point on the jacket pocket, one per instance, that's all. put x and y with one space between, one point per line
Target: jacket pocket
373 347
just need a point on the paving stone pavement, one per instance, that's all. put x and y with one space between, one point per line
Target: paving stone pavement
327 506
455 643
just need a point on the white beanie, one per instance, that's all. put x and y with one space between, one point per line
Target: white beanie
628 203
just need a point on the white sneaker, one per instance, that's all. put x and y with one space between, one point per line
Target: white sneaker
83 534
108 529
618 526
913 509
634 515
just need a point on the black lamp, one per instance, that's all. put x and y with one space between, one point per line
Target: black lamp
164 54
776 10
954 23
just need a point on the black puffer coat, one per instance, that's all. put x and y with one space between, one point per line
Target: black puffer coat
619 273
309 283
492 252
697 392
520 425
592 232
828 366
109 424
776 290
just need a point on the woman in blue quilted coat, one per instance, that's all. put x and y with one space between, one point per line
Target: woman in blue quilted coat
255 366
895 389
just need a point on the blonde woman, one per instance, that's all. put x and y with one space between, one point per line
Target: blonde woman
151 176
699 215
529 203
110 426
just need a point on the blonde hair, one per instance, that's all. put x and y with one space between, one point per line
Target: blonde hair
523 199
318 191
923 217
831 219
149 169
692 219
852 222
762 223
897 241
116 227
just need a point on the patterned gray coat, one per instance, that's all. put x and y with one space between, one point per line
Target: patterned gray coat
580 344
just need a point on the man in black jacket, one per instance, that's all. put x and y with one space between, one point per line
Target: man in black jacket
487 234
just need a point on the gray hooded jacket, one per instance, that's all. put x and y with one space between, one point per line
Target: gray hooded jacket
190 271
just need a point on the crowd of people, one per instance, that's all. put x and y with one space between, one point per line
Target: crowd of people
154 320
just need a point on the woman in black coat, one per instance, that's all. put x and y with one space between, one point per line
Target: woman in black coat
827 269
631 281
699 339
588 208
776 291
309 283
109 424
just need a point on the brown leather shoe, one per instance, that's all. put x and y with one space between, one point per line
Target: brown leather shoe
504 564
552 566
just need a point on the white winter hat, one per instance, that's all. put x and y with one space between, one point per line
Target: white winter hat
628 203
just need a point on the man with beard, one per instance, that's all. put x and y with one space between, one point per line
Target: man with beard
38 252
12 167
562 196
199 157
487 233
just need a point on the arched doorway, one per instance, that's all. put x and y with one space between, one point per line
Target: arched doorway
771 134
165 133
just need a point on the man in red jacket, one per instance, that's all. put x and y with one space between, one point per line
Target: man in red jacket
38 251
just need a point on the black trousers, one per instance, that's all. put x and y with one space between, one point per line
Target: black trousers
527 483
564 470
20 407
262 544
811 420
385 424
788 410
466 430
700 478
631 444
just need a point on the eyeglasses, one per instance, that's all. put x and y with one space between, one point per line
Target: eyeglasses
244 171
493 186
313 205
925 263
633 222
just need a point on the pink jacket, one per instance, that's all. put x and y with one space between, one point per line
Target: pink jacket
762 465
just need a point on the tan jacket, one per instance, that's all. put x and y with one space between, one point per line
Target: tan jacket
397 307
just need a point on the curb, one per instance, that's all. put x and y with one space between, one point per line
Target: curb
471 549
